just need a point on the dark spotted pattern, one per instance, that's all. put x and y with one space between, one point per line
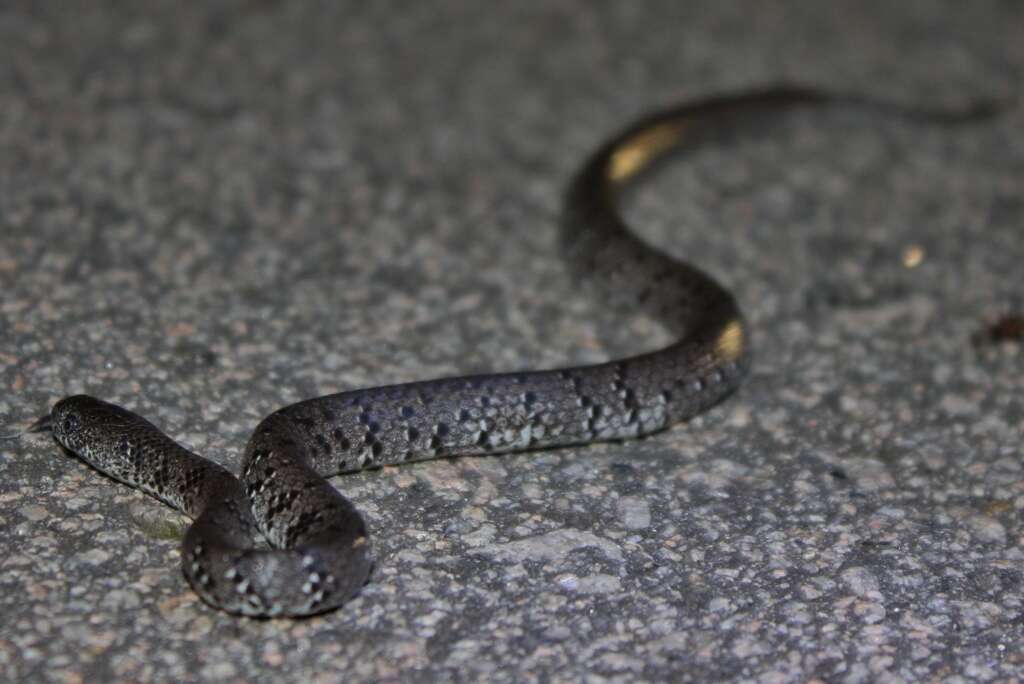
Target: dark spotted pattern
320 553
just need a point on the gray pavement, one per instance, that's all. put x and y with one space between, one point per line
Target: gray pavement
209 210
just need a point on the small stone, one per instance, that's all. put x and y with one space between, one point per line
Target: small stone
34 512
634 512
987 529
861 582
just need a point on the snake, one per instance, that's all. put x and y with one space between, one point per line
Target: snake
280 540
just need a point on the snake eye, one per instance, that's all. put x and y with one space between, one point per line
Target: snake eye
71 422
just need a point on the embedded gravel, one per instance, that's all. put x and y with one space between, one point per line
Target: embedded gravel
210 210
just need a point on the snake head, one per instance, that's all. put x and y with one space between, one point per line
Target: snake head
81 421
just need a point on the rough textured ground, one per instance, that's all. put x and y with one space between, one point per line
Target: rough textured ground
208 211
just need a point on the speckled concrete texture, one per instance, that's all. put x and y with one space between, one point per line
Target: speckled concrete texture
209 210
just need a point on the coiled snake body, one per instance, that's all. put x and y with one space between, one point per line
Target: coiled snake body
320 552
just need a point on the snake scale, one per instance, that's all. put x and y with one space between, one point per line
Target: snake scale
319 552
